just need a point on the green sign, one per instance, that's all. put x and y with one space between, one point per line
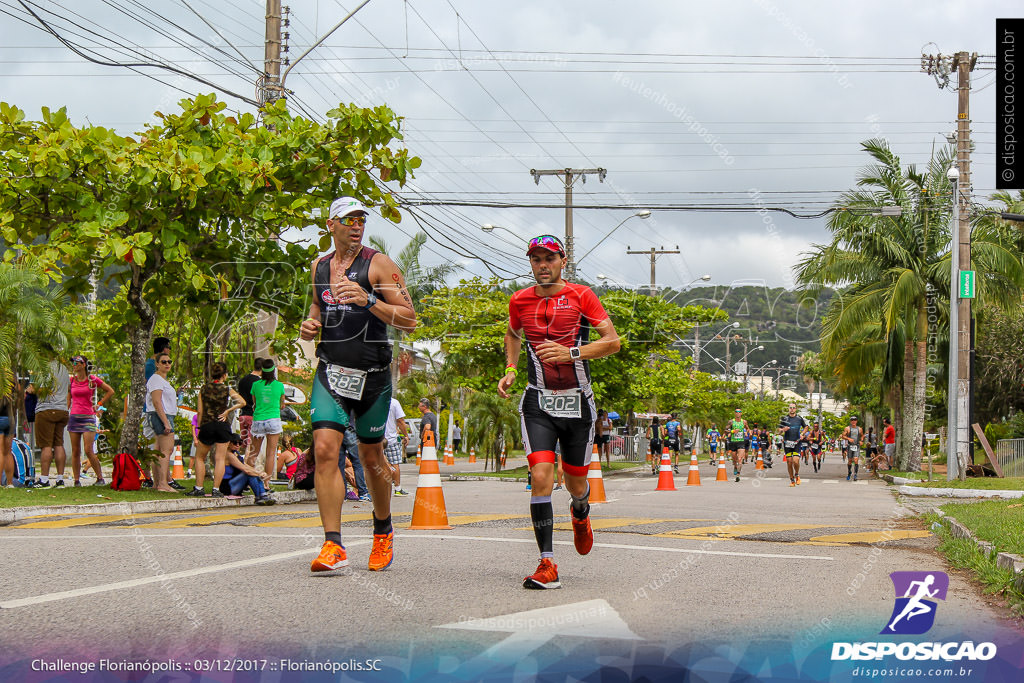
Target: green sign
966 284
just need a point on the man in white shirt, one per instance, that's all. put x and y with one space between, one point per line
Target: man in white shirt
396 434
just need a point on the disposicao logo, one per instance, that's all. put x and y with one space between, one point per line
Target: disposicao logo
914 611
914 614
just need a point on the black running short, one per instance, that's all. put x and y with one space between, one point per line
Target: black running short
211 433
673 445
735 445
541 432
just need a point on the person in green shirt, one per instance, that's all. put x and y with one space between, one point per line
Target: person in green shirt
268 401
736 441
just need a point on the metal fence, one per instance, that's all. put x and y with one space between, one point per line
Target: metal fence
1010 455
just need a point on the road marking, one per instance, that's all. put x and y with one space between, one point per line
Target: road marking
534 628
623 546
133 583
829 481
732 531
84 521
313 521
871 536
203 520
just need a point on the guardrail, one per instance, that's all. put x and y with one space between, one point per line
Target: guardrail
1010 455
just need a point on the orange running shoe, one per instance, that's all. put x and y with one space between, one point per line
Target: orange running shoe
582 533
383 551
332 556
546 576
792 483
798 480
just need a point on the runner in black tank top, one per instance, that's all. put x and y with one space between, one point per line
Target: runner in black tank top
357 292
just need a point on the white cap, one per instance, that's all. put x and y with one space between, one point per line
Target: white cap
343 206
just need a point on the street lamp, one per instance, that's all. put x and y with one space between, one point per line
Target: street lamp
953 435
696 337
759 371
645 214
744 361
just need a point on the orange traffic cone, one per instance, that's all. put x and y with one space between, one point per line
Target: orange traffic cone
449 458
472 454
760 462
429 512
665 480
722 474
178 472
595 478
419 455
693 479
503 454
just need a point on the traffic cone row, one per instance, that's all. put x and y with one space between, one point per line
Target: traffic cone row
693 479
449 457
429 512
595 479
722 474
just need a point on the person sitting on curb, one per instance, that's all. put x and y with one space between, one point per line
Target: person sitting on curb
238 476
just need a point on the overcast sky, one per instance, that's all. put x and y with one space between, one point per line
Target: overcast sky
746 102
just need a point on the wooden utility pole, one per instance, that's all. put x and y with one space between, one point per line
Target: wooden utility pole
569 176
653 253
269 85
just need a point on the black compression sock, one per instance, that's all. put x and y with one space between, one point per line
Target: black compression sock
543 521
849 469
381 526
856 468
333 536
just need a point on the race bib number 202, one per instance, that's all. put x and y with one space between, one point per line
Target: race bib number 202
346 382
567 403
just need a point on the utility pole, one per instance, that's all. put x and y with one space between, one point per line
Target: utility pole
269 84
941 67
569 176
653 253
696 347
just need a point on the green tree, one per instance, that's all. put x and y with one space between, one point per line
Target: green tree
890 268
198 189
491 421
30 327
420 280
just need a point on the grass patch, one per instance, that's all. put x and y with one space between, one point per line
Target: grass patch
1000 522
520 472
89 495
905 475
964 554
982 483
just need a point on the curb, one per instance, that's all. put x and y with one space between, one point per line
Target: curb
9 515
1008 561
958 493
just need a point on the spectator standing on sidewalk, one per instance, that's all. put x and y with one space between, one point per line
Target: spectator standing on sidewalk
268 402
396 435
161 407
428 419
217 401
889 442
83 409
51 421
245 416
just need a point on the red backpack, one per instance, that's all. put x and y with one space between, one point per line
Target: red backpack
128 474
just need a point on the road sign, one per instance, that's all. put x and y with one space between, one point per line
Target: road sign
966 284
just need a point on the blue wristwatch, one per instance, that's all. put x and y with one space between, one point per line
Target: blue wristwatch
371 300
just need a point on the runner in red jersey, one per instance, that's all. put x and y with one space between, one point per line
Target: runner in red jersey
556 316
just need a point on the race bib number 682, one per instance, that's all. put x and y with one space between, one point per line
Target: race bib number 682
346 382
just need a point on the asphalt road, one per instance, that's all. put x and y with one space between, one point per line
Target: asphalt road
724 563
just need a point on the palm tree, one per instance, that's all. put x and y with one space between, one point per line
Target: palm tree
888 267
420 280
495 422
30 333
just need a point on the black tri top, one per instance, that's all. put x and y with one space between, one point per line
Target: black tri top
351 335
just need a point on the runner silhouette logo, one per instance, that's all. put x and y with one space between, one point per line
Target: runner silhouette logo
914 611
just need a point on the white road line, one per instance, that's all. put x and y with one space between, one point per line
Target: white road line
132 583
148 534
623 546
